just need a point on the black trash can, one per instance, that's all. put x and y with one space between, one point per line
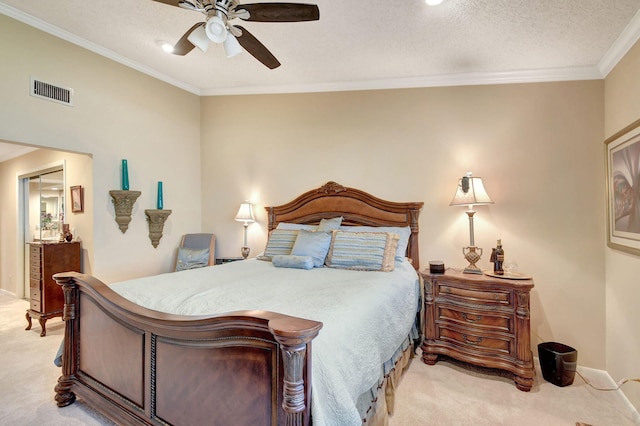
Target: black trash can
558 363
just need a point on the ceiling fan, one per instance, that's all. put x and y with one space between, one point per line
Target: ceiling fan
217 29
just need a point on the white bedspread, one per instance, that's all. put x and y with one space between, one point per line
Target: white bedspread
366 316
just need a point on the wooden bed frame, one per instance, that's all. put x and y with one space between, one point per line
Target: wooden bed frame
138 366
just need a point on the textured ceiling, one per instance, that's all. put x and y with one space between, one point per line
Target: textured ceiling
359 44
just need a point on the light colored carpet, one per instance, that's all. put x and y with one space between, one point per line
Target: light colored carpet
449 393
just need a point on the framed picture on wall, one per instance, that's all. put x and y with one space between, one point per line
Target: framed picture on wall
623 189
77 199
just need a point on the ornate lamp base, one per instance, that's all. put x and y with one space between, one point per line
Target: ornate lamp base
472 254
245 252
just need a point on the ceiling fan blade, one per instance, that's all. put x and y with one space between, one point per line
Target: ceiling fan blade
280 12
184 46
256 49
169 2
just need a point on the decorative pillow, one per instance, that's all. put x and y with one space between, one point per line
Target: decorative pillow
296 226
280 242
191 259
365 251
328 225
314 244
404 232
290 261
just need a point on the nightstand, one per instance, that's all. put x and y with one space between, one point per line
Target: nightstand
223 260
480 320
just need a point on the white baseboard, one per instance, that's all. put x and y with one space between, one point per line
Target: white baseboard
608 381
612 383
8 293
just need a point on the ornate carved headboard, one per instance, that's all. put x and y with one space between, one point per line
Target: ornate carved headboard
355 206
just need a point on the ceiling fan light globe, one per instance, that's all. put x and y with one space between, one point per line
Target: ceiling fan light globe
199 39
232 46
216 30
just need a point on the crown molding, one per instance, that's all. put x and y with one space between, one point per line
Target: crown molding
625 41
464 79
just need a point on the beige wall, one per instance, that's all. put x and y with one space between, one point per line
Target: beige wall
78 171
118 113
537 147
622 107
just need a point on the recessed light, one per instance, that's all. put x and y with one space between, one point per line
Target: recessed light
433 2
165 46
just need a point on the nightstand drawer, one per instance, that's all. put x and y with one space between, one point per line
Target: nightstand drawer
496 297
473 341
491 321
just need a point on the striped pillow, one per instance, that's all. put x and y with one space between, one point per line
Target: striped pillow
364 251
280 242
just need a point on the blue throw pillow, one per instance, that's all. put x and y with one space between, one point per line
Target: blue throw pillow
280 242
328 225
363 251
404 232
290 261
314 244
190 258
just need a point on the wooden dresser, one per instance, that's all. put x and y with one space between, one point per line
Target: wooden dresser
480 320
46 259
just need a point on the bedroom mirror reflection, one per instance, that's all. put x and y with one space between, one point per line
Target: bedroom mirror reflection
46 205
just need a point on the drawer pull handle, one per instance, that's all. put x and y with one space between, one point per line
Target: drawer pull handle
471 342
469 318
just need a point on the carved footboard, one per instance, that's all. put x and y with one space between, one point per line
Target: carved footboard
139 366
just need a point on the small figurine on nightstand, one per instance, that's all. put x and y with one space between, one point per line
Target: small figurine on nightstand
497 257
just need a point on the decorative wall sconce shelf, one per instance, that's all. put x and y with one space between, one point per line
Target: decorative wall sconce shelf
156 219
123 202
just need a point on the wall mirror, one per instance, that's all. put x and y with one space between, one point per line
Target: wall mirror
46 205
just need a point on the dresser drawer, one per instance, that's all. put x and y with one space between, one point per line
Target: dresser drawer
35 284
478 342
496 297
35 272
35 305
35 253
34 293
491 321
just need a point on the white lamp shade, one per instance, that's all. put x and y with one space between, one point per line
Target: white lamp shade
245 213
231 46
198 38
216 29
470 192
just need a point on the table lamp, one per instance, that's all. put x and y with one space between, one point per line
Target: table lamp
245 214
470 192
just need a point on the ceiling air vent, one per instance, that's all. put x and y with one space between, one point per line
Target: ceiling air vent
50 92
